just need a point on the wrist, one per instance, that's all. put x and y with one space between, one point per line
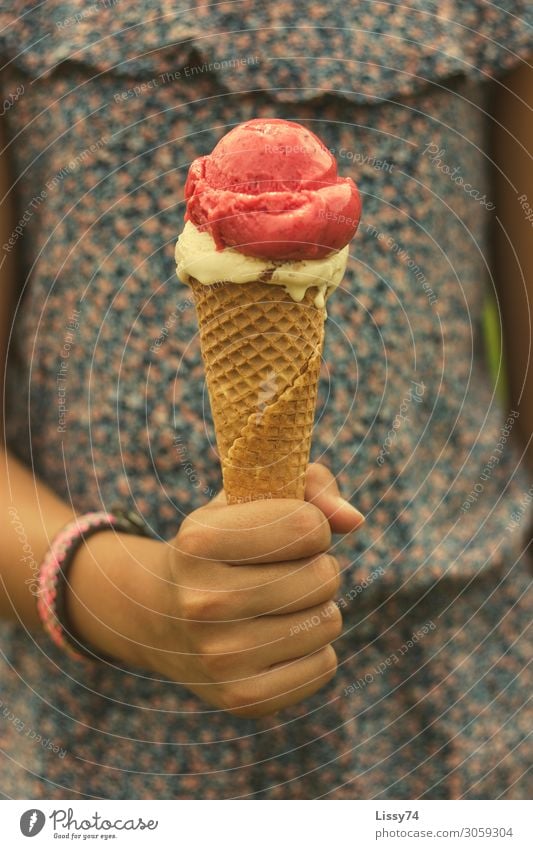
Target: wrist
116 588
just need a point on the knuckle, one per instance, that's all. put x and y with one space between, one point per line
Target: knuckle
329 662
192 539
328 573
312 526
200 606
319 474
333 618
236 700
215 661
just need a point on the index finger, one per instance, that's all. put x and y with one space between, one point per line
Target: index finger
256 532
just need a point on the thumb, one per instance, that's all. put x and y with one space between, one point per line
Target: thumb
321 490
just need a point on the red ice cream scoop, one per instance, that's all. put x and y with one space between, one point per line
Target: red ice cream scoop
270 189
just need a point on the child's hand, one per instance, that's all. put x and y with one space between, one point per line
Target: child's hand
239 607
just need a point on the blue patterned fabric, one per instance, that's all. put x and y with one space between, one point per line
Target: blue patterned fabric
117 102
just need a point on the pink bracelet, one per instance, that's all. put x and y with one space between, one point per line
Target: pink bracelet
53 574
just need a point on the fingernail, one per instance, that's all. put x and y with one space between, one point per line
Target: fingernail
357 514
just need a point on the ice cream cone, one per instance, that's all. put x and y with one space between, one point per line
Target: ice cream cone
262 355
265 243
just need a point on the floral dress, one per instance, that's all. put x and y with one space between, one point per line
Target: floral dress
106 106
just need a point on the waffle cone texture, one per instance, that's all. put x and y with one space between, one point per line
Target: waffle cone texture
262 353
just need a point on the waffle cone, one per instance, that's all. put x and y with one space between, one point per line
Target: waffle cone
262 354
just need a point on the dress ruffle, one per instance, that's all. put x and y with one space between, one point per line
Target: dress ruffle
290 51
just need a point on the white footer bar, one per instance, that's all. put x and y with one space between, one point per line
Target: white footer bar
268 824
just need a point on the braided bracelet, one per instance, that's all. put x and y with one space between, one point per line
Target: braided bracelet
53 574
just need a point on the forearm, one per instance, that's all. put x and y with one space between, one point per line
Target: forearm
108 597
117 589
30 516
